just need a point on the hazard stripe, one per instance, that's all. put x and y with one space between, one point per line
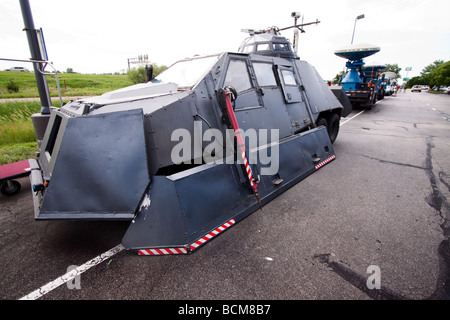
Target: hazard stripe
195 245
248 169
157 252
325 162
212 234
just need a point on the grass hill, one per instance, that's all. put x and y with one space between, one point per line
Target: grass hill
23 84
17 138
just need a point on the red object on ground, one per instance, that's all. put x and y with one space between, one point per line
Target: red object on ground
14 170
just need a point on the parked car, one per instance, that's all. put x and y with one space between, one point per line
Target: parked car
447 90
18 69
388 91
416 88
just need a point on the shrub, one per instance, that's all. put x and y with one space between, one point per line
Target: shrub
136 75
12 86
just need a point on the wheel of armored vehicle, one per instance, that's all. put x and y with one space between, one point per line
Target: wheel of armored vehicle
322 122
333 126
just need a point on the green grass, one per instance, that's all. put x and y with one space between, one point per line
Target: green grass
18 151
71 84
11 110
17 137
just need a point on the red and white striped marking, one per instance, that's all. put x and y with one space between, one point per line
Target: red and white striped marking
249 171
193 246
240 141
212 234
157 252
325 161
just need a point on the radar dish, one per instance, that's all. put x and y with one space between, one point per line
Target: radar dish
357 51
390 75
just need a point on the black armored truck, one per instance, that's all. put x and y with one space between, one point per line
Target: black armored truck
193 151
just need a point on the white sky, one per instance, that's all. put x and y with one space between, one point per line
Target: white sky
98 36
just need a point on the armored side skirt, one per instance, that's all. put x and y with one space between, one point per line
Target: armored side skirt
181 212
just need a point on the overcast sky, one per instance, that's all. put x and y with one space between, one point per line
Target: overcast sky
98 36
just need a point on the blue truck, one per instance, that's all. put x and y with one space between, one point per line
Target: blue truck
362 84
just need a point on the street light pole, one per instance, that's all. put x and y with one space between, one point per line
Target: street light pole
361 16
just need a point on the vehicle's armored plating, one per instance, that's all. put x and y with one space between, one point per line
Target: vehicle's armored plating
163 155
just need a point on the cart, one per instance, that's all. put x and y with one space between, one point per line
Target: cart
11 171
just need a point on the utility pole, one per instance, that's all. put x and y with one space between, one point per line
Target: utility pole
35 50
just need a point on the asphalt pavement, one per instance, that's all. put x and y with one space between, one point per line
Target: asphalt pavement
372 224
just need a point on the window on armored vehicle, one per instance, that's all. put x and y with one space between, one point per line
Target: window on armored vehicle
281 47
186 73
237 76
264 74
263 47
248 49
288 77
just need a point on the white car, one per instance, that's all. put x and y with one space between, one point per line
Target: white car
389 90
447 90
416 88
18 69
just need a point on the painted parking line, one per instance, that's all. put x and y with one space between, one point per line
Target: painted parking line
36 294
347 120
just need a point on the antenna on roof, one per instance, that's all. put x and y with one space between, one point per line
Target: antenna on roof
298 27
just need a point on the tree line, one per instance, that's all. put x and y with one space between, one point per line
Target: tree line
137 75
435 74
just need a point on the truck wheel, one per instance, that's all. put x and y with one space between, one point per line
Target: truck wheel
333 126
10 187
322 122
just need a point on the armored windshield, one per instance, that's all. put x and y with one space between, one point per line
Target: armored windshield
186 73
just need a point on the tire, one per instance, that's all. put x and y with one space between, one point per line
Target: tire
11 188
322 122
333 126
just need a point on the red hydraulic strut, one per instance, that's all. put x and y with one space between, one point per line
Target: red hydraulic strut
241 145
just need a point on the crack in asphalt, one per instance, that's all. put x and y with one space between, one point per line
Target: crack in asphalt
443 178
437 200
393 162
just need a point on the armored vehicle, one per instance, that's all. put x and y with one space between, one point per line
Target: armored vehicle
193 151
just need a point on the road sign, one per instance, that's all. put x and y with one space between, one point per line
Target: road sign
141 60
